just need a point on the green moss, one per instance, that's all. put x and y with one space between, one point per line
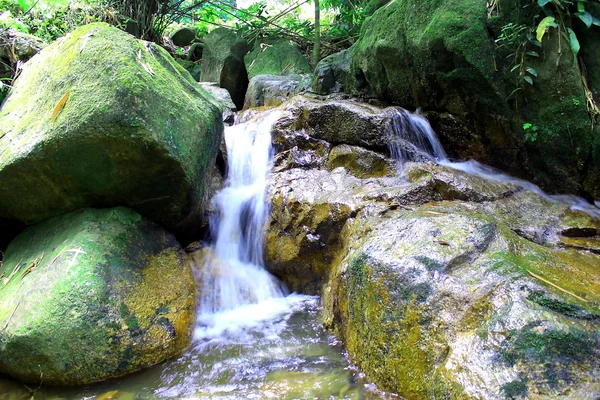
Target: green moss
528 345
276 57
92 295
515 389
571 310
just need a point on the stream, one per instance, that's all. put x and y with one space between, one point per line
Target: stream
252 340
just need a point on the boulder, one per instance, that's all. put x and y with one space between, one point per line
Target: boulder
223 99
360 162
92 295
99 118
339 121
183 36
333 74
435 304
276 57
19 46
195 52
273 90
223 62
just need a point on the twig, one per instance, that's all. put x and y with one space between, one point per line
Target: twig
556 286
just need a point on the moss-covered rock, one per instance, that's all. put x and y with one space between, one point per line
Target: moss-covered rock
360 162
223 62
435 304
183 36
441 284
339 121
18 46
92 295
333 74
276 57
99 118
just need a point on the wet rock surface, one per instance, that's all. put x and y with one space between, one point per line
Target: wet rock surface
440 283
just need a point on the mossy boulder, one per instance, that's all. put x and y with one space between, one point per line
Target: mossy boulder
276 57
183 36
223 62
333 74
441 284
360 162
339 121
92 295
99 118
434 303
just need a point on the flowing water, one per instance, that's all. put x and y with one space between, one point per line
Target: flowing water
252 339
411 138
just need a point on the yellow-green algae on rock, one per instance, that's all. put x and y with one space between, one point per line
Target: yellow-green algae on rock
92 295
135 130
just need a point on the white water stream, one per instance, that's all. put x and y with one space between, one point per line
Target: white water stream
236 291
411 138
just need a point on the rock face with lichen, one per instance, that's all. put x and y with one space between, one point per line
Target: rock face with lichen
441 284
100 119
93 295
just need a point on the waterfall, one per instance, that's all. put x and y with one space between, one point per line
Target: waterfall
234 274
411 138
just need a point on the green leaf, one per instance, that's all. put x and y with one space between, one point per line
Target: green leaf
543 26
542 3
595 21
531 71
586 17
515 67
580 6
533 53
528 79
575 46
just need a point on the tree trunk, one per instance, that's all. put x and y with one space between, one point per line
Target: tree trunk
317 47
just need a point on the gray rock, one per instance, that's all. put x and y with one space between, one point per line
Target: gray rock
184 36
273 90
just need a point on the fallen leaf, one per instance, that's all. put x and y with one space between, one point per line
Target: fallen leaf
60 105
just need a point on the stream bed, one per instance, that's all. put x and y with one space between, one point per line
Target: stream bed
280 351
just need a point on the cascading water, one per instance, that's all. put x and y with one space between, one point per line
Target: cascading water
411 138
234 275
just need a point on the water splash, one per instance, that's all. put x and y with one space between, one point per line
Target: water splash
234 274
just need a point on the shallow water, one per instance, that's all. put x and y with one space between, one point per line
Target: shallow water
280 351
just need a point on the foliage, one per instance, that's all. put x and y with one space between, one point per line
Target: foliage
523 41
49 19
